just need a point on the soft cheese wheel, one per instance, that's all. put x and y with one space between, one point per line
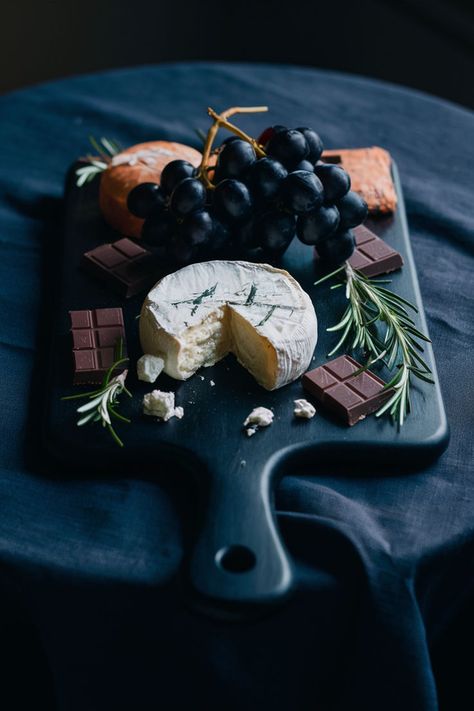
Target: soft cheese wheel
117 180
199 314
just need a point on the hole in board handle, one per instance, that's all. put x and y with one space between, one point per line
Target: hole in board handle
236 559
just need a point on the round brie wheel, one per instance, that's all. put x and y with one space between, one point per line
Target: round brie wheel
125 173
197 315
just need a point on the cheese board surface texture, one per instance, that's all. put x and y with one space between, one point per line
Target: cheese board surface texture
238 563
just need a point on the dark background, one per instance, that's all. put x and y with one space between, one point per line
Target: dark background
425 44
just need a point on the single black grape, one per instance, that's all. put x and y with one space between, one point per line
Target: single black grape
173 173
157 232
335 180
188 196
314 142
268 133
145 198
337 248
276 230
235 158
317 225
353 209
264 178
197 228
305 165
301 191
232 200
289 147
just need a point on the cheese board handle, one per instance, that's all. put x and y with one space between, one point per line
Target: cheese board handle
239 563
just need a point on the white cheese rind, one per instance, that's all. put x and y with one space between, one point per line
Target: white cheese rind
195 316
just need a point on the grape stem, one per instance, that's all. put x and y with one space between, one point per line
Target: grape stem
221 121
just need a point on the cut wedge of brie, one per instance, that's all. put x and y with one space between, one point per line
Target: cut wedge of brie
199 314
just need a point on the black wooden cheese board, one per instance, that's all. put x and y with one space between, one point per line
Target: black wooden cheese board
239 563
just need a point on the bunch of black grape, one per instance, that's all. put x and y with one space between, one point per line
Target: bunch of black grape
255 205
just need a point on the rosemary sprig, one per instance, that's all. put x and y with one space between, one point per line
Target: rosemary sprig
107 149
88 172
371 306
102 402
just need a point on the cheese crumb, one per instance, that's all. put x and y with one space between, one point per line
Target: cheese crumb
161 404
212 383
259 417
149 367
304 409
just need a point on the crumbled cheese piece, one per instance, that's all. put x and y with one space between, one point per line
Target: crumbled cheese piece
211 383
161 404
260 416
304 409
250 431
149 367
202 377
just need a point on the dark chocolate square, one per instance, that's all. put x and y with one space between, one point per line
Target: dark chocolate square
106 357
80 319
365 384
343 396
323 378
129 248
107 256
362 234
109 336
359 260
342 367
85 360
109 317
376 249
83 338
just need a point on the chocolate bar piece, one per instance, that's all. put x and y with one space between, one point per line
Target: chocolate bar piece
372 256
96 338
369 169
124 265
349 397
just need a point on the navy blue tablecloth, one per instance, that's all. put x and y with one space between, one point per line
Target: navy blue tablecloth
88 567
